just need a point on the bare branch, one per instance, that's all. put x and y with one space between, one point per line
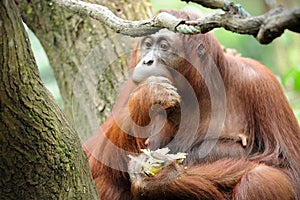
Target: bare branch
264 27
222 4
125 27
276 21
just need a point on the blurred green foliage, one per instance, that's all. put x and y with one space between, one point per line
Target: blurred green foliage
291 80
292 74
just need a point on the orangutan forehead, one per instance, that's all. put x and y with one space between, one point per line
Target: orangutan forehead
165 33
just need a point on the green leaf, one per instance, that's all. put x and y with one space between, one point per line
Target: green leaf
289 74
297 82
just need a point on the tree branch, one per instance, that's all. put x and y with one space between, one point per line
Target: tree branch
265 27
125 27
222 4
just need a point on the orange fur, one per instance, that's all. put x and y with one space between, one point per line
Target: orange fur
267 168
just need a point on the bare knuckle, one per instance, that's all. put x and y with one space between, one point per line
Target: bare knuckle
159 90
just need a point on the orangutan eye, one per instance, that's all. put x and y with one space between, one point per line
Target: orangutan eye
147 43
164 45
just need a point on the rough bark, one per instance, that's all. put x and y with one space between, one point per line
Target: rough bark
41 156
68 39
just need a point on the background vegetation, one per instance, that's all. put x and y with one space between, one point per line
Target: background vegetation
282 56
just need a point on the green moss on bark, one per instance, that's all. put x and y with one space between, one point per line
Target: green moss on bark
41 155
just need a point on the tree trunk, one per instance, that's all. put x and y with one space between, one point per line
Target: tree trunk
87 58
41 156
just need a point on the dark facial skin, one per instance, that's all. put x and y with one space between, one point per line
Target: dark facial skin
158 52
